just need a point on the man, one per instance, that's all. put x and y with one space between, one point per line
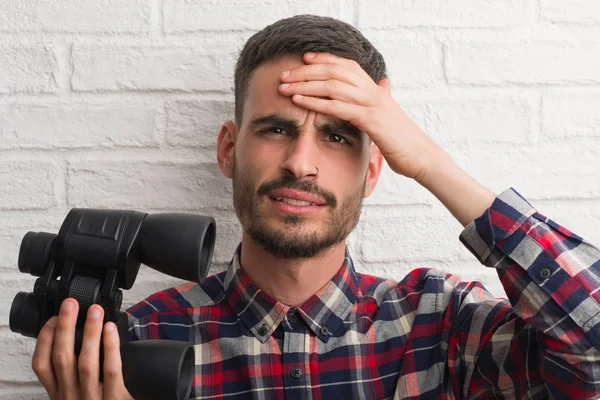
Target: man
291 318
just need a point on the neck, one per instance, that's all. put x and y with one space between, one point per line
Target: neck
290 282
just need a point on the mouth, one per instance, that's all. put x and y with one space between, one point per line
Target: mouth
296 202
296 197
291 206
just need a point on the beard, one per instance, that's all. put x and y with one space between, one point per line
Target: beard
293 240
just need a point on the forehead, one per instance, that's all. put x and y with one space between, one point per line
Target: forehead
263 98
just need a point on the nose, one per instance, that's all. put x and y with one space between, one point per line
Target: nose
302 156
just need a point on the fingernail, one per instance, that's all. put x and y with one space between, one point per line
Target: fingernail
52 322
311 55
285 74
94 313
67 306
109 327
285 85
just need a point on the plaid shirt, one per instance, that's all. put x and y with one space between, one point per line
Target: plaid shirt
429 336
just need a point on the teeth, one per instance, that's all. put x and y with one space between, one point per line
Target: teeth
294 202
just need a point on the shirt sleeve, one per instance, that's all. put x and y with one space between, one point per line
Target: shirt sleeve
549 340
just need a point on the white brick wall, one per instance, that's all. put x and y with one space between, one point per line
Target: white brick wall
118 104
27 68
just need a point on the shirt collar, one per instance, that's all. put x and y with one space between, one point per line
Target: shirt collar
324 312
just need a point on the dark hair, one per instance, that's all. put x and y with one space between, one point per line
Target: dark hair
300 34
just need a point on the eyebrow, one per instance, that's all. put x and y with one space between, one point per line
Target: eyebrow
331 127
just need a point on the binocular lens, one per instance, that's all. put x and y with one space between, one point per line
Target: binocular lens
25 315
169 362
34 254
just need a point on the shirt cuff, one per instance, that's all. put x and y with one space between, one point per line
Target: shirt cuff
508 211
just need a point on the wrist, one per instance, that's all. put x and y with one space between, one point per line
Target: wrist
464 197
436 162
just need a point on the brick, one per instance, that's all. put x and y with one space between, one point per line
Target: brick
410 235
424 68
532 63
196 123
20 391
540 172
10 285
416 234
570 115
17 351
459 14
75 125
198 15
9 257
28 69
15 224
147 185
27 185
10 252
19 222
141 68
396 189
579 11
472 117
80 16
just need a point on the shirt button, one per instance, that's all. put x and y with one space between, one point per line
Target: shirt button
263 330
544 273
292 317
324 331
296 373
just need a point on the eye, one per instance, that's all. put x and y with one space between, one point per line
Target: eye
274 130
338 139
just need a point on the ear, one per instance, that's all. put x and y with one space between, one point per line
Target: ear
225 148
373 170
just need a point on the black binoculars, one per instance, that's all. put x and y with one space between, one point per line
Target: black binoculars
95 253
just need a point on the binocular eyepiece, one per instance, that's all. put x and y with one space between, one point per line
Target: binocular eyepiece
95 253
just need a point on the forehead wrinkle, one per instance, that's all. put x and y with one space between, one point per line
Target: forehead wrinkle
263 89
267 100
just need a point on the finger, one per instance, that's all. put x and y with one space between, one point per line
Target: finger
114 387
386 83
63 353
89 358
42 358
328 58
346 111
333 89
323 72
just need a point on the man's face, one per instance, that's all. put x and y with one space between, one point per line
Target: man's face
283 203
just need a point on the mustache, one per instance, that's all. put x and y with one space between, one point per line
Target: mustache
289 182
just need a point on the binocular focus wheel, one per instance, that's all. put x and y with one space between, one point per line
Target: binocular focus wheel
85 290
